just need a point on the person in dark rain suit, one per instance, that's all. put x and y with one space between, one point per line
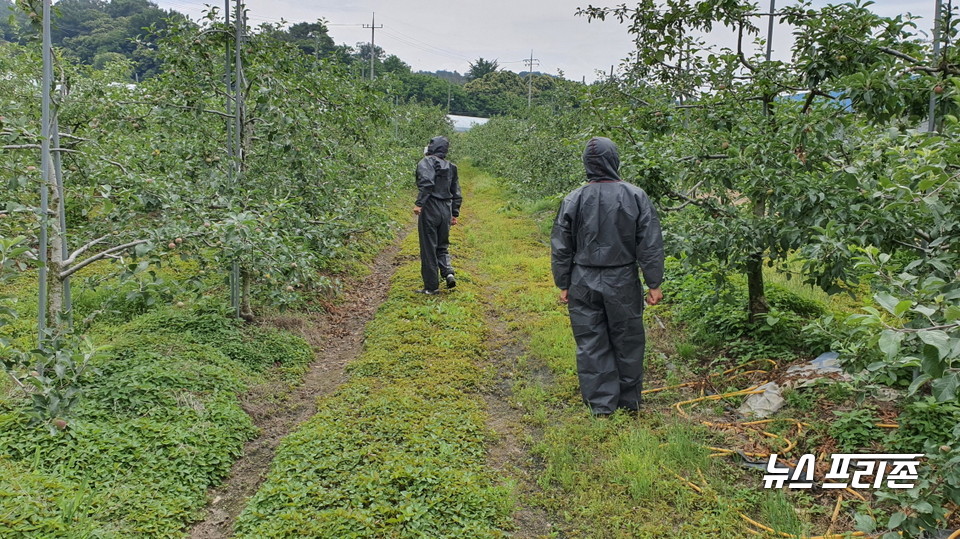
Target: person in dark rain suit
437 207
604 230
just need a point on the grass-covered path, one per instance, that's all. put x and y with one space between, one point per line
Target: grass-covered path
277 408
461 418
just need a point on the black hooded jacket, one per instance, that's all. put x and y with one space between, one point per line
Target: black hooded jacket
437 177
606 223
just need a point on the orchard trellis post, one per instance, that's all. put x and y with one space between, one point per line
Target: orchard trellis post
45 171
233 92
241 277
56 261
936 60
234 109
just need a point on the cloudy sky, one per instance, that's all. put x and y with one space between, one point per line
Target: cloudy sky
449 35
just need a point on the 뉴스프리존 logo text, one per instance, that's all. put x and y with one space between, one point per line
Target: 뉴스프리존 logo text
847 470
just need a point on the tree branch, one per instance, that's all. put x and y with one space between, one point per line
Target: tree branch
64 150
689 197
687 200
114 163
895 53
83 249
20 147
74 137
99 256
185 107
949 70
740 55
36 147
701 157
954 325
678 208
19 383
811 95
892 52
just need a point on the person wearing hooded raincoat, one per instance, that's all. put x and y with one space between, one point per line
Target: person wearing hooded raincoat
603 232
437 207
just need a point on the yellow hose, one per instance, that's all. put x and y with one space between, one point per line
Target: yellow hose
753 525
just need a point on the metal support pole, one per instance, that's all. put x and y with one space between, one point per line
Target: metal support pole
233 280
769 55
45 172
773 10
238 89
228 80
240 23
937 30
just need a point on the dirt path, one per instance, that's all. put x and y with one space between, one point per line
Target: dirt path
510 455
337 338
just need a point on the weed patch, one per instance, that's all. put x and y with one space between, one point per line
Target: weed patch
164 413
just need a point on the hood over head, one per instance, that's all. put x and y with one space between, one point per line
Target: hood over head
439 146
601 160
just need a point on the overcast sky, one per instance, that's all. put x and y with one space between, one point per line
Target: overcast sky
452 34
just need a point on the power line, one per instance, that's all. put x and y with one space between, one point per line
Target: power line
425 48
440 50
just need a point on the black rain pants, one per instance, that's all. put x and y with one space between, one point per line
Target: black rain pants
433 227
606 312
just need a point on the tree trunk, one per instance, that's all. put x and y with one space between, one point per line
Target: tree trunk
246 312
758 299
55 301
60 303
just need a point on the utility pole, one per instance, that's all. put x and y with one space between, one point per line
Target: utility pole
530 64
449 95
373 34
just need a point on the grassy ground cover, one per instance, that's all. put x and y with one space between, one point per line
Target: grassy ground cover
658 475
399 450
599 478
159 420
158 425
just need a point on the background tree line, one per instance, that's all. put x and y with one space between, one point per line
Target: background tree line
97 32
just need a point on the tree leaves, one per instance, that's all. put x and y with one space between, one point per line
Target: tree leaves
945 389
889 343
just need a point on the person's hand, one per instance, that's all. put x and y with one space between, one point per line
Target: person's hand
417 210
654 295
454 221
564 296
